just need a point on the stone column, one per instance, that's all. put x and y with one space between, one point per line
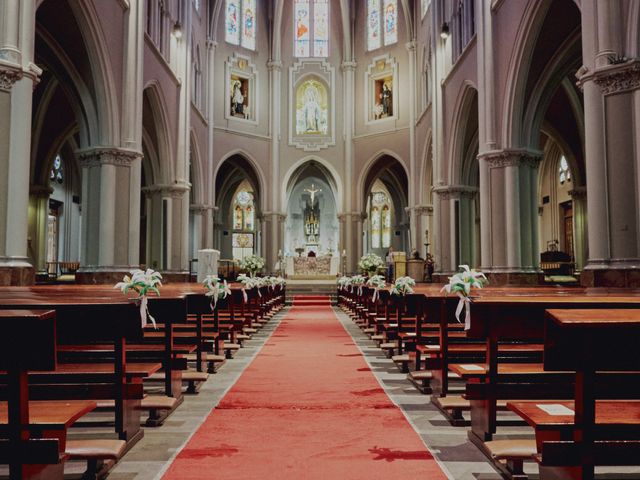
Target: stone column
579 202
414 233
18 75
273 235
209 220
110 203
509 227
611 86
276 231
348 242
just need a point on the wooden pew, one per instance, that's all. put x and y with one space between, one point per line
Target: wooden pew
590 342
34 434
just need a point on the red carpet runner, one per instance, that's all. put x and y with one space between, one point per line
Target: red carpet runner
307 407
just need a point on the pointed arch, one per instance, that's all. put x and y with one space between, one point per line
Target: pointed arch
155 127
260 179
464 120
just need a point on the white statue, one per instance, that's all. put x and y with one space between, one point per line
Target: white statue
311 110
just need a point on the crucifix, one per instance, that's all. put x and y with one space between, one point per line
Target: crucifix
313 190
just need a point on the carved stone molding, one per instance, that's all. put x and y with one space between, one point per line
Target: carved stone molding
348 66
40 191
9 76
274 65
200 208
95 157
454 192
344 216
278 216
174 191
511 158
620 78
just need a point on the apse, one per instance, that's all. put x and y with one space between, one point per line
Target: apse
312 219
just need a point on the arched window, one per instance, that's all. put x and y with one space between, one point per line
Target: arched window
380 219
311 38
382 23
243 222
240 23
564 174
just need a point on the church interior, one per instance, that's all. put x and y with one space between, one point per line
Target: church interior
320 239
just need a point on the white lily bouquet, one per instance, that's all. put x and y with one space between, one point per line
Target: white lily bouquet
403 286
376 282
370 263
279 282
247 284
357 281
216 289
142 283
344 282
252 263
461 284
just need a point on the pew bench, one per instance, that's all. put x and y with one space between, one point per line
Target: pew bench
100 455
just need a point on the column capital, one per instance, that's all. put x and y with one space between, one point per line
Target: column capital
175 190
211 44
512 158
202 208
274 65
358 215
618 78
96 156
421 209
578 193
349 66
40 191
453 192
9 74
410 46
278 215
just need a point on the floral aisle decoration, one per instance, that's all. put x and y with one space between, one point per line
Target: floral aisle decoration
403 286
461 284
142 282
216 289
253 264
376 282
247 284
370 263
344 283
358 281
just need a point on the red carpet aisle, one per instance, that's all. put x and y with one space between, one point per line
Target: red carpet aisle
308 407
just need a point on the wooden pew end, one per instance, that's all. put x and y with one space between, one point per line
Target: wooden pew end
509 455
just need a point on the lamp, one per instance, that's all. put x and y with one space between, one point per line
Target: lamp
177 30
444 31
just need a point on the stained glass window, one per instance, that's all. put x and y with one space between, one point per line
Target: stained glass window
302 27
249 24
321 29
57 174
424 5
386 226
564 174
382 23
232 23
375 227
373 25
311 28
240 23
243 222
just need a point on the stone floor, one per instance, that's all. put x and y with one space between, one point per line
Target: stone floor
457 456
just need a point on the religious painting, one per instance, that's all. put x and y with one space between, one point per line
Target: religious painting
239 97
383 94
312 109
302 27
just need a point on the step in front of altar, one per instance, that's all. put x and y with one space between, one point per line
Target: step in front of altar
312 277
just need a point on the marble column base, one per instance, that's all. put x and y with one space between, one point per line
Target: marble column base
17 276
103 277
610 277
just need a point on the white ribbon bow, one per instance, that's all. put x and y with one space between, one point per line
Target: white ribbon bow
244 296
464 302
144 312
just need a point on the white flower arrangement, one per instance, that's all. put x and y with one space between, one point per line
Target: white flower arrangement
358 281
461 284
252 263
142 283
216 289
403 286
370 263
376 282
344 282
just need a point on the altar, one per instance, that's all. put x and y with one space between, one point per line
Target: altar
310 267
